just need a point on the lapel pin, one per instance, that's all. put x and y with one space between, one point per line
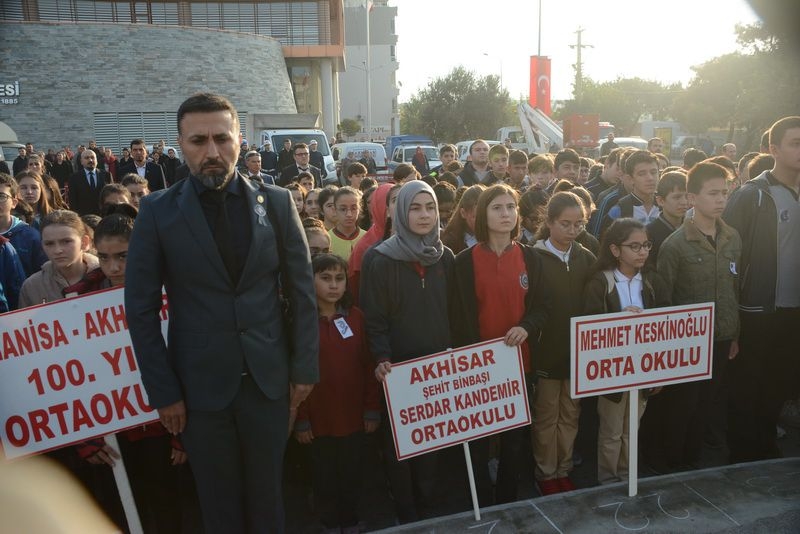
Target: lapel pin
260 211
260 199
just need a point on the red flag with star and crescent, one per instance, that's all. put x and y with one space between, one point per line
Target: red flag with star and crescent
540 84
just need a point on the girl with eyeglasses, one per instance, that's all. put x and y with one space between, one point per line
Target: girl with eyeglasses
621 283
565 268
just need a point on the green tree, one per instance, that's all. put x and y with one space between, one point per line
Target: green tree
458 106
747 90
349 127
623 101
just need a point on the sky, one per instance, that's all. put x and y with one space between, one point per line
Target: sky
658 40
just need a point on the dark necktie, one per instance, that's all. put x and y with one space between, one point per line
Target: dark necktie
91 180
222 233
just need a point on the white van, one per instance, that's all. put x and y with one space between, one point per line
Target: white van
377 151
405 153
278 136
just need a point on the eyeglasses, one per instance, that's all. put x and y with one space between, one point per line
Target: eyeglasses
301 153
4 197
636 247
575 227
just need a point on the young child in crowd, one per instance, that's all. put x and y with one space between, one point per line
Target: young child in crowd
299 197
620 283
459 234
446 198
346 233
518 171
355 173
566 265
344 404
532 211
26 240
312 207
404 298
541 171
32 191
699 263
319 242
498 165
379 208
327 207
671 198
497 290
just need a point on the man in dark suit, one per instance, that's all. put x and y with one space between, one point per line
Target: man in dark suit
301 164
153 172
232 367
254 171
85 185
285 156
269 160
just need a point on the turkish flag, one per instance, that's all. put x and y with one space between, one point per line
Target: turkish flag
540 84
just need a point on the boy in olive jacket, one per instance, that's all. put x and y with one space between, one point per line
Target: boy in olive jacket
699 262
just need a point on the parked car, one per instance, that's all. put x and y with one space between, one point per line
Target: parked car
405 153
340 151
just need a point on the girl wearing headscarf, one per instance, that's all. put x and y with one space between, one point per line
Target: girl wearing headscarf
404 299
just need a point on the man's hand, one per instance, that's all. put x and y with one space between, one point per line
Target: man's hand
105 455
298 393
178 457
305 437
173 417
383 369
734 350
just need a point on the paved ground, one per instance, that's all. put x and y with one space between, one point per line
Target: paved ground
763 497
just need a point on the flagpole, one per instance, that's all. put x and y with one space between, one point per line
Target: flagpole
367 6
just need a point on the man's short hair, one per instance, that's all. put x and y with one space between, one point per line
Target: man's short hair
693 156
138 142
567 155
298 145
207 103
133 178
778 130
703 172
498 150
517 157
447 148
613 156
541 164
251 154
475 142
669 182
639 156
113 189
765 142
356 168
759 164
653 140
725 162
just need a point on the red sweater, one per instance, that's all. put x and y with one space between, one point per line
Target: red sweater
347 392
501 283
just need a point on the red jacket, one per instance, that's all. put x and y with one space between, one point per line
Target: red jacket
347 392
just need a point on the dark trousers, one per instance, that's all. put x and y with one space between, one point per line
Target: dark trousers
509 466
412 481
764 375
337 478
236 456
674 440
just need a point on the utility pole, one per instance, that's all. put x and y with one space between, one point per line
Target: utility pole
578 92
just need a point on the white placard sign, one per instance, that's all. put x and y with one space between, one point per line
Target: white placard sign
68 373
455 396
616 352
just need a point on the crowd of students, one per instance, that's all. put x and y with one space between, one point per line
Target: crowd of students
509 246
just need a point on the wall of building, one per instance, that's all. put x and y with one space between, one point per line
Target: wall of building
382 69
73 75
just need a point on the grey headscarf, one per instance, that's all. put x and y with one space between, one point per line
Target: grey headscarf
405 245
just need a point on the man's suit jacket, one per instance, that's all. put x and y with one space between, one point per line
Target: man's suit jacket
269 161
218 331
153 173
290 172
84 199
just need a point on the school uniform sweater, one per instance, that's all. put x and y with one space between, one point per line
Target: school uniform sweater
566 282
405 306
509 287
347 391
